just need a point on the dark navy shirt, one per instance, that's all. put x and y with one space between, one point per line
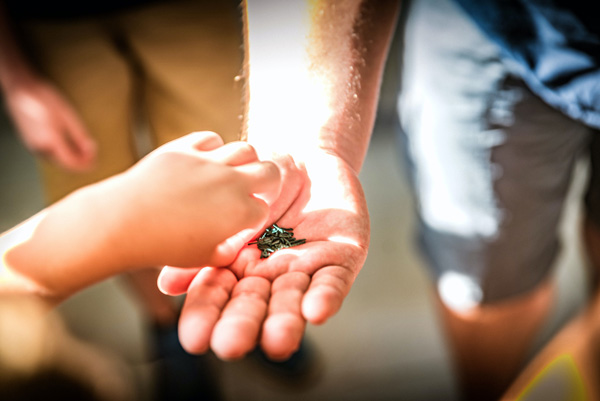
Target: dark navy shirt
557 45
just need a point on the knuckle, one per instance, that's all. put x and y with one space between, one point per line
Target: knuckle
244 148
271 169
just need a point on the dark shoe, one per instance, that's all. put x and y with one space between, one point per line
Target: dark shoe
302 369
181 376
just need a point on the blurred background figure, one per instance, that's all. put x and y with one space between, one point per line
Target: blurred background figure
93 86
568 367
498 105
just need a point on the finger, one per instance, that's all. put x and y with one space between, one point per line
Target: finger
284 328
234 153
293 179
79 138
264 179
236 332
328 288
207 296
227 251
63 154
42 153
175 280
201 140
205 140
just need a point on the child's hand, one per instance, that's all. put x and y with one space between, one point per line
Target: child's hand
182 205
179 203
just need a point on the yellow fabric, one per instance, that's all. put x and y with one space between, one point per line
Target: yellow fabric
175 63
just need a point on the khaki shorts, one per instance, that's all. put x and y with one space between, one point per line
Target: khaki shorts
170 66
490 162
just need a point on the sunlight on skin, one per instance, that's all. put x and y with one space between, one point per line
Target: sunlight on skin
307 257
325 170
316 200
317 93
325 211
334 235
343 240
10 279
301 115
55 253
31 107
311 98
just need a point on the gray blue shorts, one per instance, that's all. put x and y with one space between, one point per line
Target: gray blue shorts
490 162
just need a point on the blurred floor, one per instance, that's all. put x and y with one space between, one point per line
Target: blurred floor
385 343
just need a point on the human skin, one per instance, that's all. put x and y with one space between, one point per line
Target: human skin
184 204
312 97
45 120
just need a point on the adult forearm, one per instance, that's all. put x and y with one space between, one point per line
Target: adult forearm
314 70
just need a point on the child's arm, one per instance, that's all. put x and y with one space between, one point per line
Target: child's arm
177 206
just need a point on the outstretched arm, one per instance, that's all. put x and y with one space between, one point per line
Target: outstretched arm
183 204
313 70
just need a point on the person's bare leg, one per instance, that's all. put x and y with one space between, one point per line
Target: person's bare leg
578 340
489 344
591 238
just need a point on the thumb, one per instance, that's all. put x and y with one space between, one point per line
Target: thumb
175 280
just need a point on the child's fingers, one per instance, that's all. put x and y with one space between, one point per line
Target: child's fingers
233 154
201 140
227 251
205 140
264 179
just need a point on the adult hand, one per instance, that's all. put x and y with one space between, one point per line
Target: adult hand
48 125
269 301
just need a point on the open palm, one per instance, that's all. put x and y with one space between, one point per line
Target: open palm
269 300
